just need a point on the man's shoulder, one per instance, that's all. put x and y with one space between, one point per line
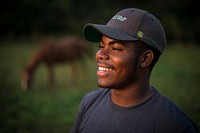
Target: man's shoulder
94 96
170 113
95 93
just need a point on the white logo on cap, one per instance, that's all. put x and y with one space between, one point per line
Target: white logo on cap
119 17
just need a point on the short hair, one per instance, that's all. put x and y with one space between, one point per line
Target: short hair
141 47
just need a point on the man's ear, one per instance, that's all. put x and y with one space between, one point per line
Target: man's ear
146 58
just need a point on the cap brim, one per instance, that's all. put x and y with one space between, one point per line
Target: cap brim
94 33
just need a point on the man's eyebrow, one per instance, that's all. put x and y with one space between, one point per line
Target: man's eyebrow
114 42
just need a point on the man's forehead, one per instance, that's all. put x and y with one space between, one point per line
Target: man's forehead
111 41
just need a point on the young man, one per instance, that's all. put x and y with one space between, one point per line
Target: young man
130 45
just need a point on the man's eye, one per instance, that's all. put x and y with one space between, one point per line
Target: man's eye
116 49
101 46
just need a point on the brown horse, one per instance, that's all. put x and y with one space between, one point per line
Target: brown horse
66 50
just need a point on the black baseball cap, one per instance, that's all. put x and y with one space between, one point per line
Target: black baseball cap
129 24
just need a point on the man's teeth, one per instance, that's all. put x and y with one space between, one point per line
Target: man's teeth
104 69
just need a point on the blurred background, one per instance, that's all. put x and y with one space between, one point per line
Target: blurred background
25 24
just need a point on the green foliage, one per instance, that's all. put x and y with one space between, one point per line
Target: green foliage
53 110
33 17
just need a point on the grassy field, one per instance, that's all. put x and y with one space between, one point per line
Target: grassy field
53 110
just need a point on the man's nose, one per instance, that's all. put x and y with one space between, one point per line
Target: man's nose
102 55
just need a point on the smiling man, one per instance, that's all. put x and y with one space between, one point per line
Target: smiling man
129 46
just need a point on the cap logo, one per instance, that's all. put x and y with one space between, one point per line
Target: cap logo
140 34
119 17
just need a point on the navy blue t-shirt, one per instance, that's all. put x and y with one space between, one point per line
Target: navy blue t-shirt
98 114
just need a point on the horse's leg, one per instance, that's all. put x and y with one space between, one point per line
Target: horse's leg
73 73
85 74
51 75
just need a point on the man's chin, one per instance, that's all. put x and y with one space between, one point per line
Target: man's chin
103 85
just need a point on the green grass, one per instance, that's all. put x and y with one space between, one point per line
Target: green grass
177 75
53 110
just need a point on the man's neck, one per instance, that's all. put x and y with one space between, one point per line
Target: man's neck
131 96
